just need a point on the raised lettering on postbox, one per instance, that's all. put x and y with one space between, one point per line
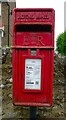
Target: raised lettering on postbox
33 40
33 16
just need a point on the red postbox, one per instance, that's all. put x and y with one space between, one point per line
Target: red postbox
32 56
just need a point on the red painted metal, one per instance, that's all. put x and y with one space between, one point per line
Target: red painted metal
33 31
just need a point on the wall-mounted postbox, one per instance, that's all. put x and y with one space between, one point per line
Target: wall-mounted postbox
32 56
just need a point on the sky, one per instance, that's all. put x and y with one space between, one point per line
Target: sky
58 6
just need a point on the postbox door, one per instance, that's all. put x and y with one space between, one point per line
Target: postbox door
29 92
